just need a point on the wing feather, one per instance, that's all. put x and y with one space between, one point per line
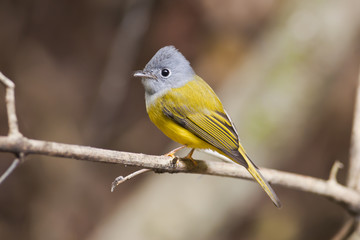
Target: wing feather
213 127
203 116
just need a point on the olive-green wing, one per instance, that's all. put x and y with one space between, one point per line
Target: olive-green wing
214 127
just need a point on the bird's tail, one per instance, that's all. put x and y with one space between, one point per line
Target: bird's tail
254 171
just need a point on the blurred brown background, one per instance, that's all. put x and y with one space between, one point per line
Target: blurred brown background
285 70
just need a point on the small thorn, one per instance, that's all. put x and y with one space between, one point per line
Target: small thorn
334 170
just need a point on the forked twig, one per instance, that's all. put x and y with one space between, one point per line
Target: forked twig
12 122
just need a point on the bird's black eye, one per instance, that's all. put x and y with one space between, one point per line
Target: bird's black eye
165 72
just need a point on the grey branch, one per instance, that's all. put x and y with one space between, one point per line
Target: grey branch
12 121
354 161
354 168
22 146
10 105
328 188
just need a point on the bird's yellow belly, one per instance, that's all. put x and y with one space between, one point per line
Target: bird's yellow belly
173 130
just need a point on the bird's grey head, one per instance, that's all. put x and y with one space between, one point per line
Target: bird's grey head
167 69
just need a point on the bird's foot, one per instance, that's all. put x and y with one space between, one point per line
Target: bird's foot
189 156
172 152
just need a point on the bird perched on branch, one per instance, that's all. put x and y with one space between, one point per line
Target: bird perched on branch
185 108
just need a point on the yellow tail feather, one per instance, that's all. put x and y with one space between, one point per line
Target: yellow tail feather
264 184
253 170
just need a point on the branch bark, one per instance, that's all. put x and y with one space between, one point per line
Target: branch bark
21 146
354 161
10 105
327 188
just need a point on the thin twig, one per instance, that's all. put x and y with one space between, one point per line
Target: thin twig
121 179
10 169
345 230
334 171
354 161
12 122
7 82
10 106
353 180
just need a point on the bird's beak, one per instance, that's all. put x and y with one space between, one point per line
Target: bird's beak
143 74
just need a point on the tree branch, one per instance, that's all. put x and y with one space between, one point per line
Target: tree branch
12 122
354 161
330 189
10 105
22 146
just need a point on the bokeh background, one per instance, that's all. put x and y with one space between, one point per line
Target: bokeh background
286 72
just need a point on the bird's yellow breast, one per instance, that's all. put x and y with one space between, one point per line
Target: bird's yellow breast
193 95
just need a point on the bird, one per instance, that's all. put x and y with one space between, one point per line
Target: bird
187 110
